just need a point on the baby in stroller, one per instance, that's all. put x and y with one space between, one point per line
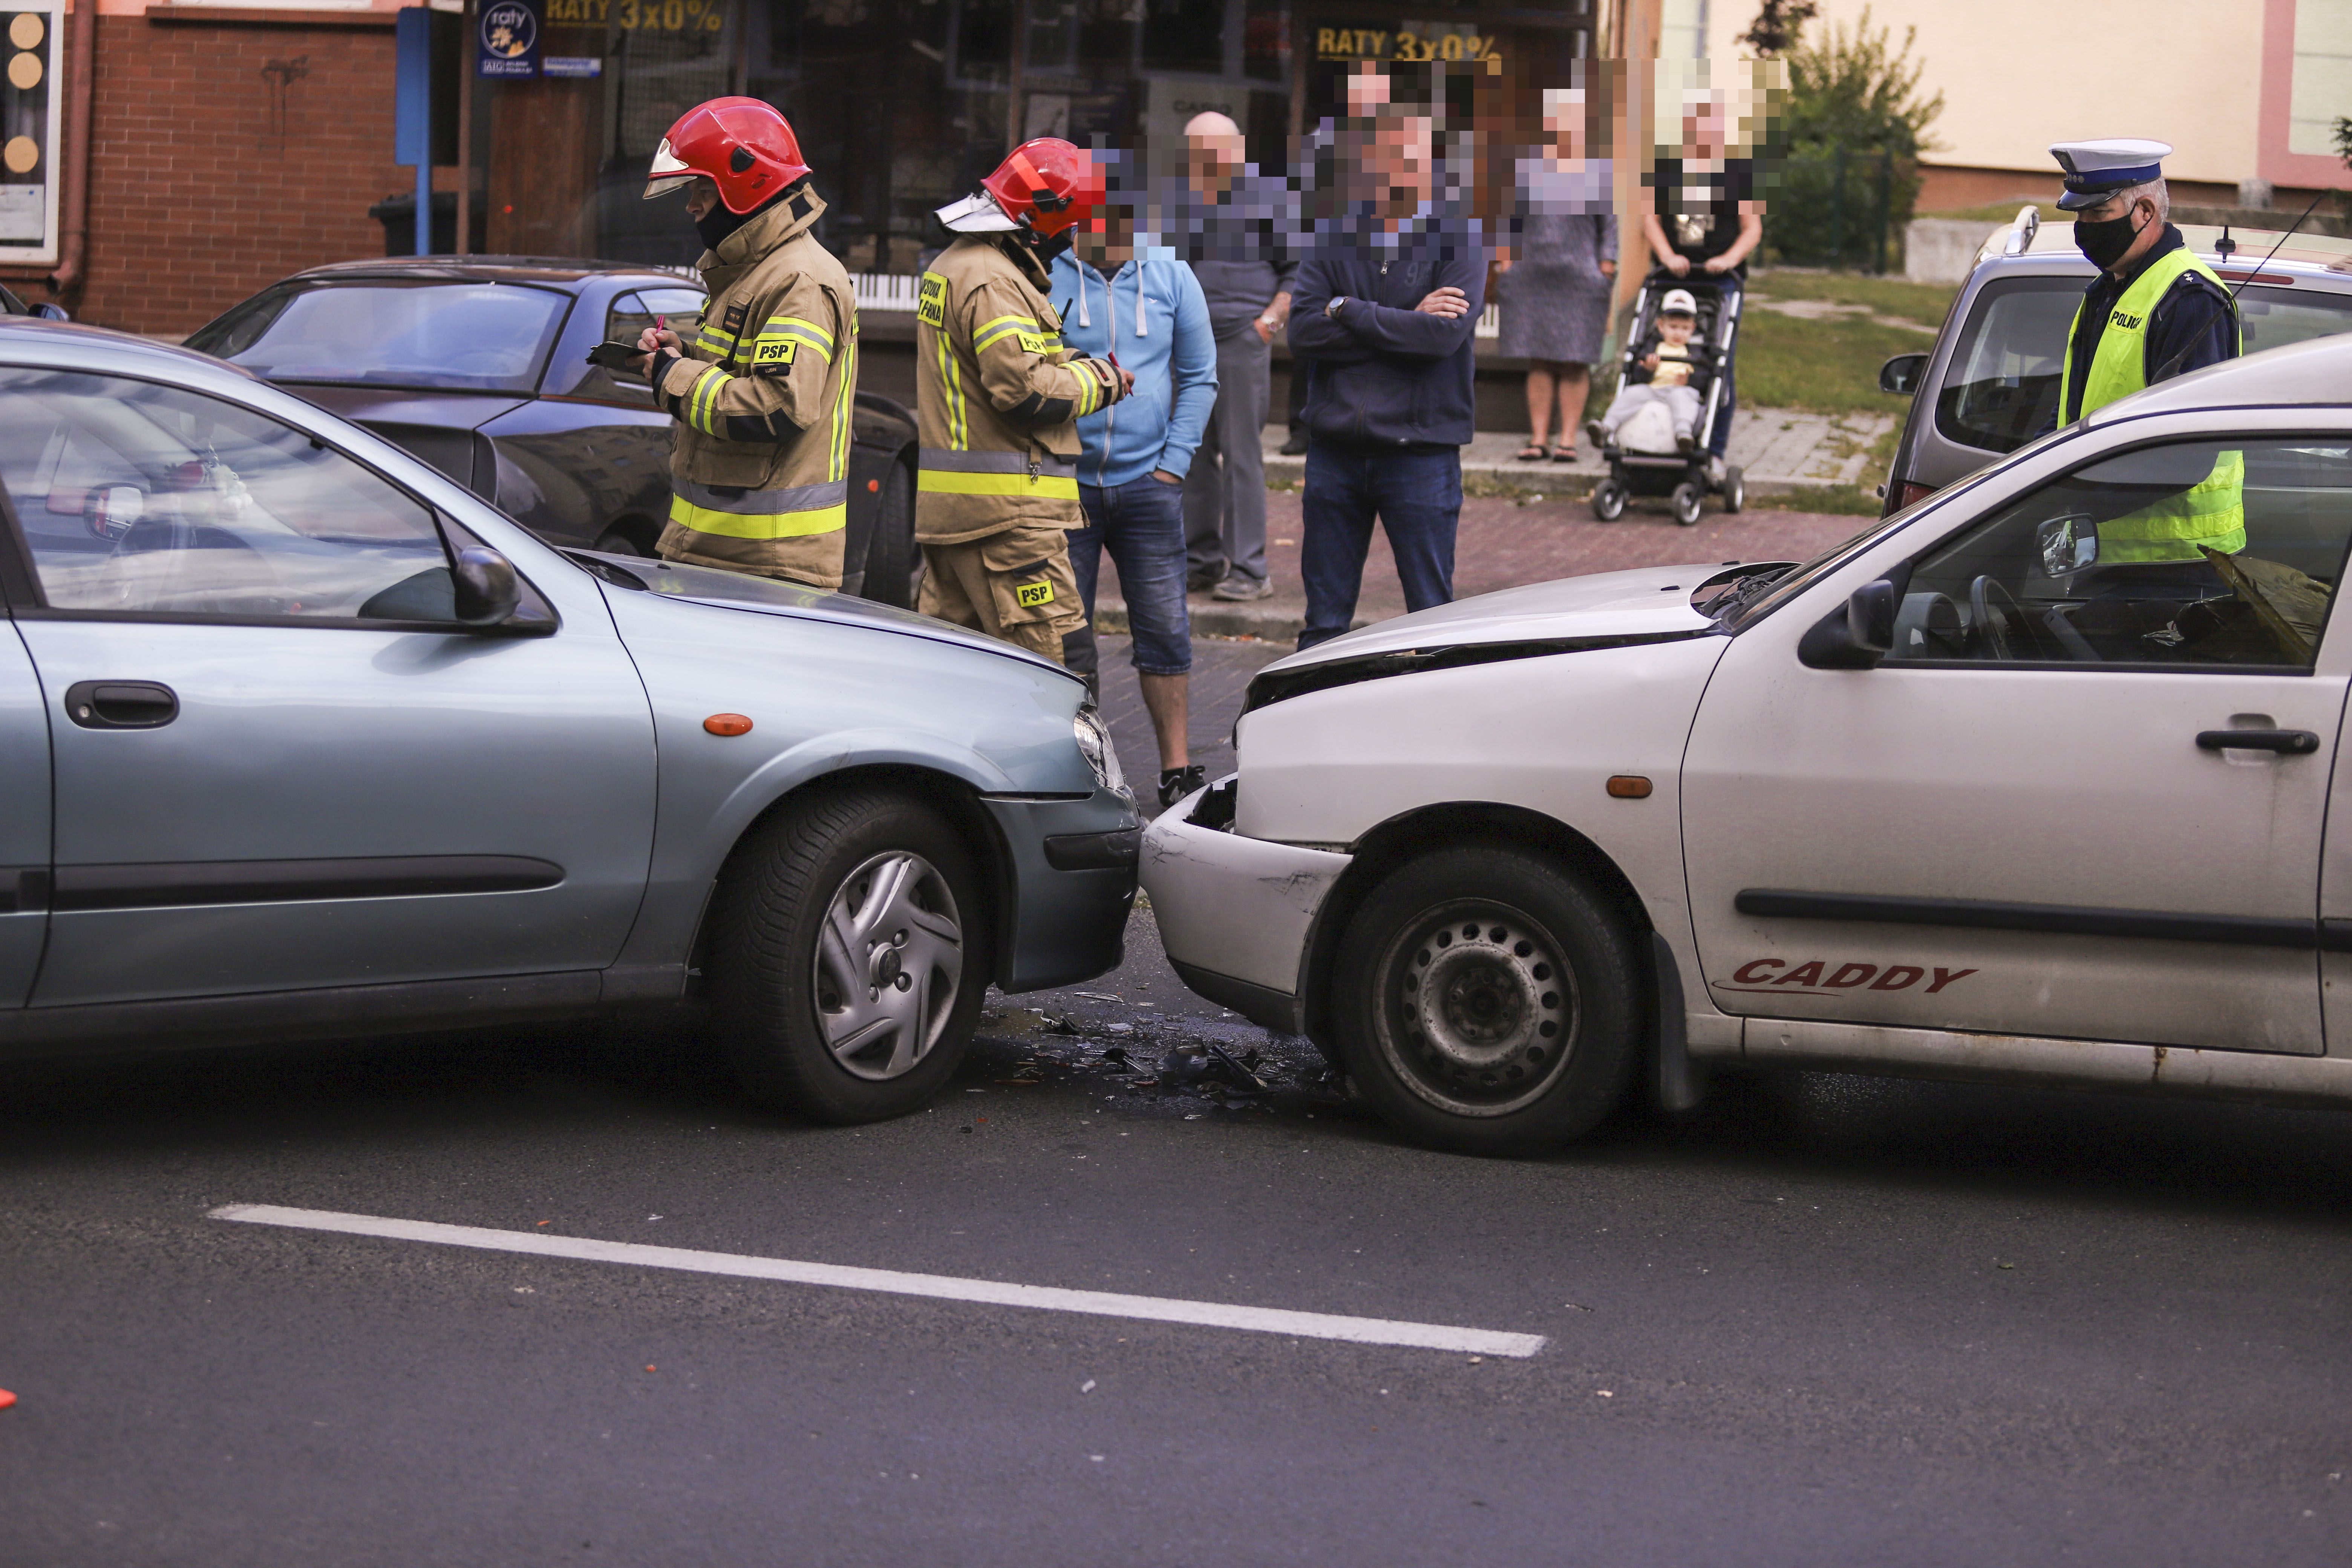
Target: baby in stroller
1671 371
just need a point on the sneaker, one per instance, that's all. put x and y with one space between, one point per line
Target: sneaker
1686 445
1595 434
1175 784
1240 590
1296 446
1201 579
1715 470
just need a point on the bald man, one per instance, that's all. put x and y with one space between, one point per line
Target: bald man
1236 228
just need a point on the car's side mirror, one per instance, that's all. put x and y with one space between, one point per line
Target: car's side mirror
50 313
1857 634
486 592
2066 545
1900 375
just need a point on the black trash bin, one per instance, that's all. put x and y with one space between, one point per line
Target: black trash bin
398 215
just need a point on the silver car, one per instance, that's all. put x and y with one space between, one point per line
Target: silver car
301 737
1994 369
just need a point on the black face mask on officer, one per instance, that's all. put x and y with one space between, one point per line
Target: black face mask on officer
2105 240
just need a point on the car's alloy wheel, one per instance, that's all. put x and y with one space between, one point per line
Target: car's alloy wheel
1488 1001
847 955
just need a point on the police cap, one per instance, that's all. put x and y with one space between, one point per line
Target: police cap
2097 170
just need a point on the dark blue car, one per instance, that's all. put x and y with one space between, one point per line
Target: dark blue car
479 366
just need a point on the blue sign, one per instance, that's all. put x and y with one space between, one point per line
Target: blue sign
507 46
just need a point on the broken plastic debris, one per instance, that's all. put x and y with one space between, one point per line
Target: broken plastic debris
1087 1386
6 1399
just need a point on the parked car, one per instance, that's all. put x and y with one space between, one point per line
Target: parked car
1995 789
10 305
479 366
301 737
1994 368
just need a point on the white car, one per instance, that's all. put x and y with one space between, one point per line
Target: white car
1993 790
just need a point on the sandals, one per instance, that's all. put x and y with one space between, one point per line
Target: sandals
1533 452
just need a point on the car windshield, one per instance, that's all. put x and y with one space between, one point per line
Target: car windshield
2001 386
484 337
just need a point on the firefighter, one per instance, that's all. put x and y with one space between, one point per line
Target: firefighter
999 398
763 392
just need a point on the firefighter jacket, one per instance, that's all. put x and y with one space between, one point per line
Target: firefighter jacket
998 396
763 396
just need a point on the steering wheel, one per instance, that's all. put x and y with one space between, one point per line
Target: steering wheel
1995 621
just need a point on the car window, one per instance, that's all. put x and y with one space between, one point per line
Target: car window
2214 554
469 336
137 498
628 316
2001 385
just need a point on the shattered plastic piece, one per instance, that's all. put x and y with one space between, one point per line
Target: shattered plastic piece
1097 995
6 1399
1119 1029
1087 1386
1117 1056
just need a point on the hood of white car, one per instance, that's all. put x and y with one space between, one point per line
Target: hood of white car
1608 609
1646 600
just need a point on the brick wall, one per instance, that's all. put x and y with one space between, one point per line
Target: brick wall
224 156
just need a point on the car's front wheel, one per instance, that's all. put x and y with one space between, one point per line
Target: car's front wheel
849 956
1489 1002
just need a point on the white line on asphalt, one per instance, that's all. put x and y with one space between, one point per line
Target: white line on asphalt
943 1286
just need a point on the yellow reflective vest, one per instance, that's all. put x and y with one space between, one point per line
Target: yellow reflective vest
763 402
998 396
2212 512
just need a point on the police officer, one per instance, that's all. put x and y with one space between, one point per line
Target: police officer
2154 311
763 394
998 398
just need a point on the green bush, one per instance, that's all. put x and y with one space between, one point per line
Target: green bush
1850 142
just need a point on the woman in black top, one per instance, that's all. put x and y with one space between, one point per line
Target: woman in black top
1705 216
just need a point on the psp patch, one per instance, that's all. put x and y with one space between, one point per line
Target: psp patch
1030 342
1029 595
774 351
932 308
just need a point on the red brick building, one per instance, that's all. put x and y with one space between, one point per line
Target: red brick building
226 147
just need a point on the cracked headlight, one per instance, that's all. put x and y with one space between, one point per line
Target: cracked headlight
1102 756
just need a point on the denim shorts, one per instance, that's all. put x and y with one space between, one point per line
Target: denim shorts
1142 524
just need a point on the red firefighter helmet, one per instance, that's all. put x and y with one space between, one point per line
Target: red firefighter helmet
1044 187
741 144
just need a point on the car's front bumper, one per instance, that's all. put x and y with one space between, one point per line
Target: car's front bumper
1070 874
1236 914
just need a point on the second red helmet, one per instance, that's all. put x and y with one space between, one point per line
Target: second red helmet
743 145
1044 187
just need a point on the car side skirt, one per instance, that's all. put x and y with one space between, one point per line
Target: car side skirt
2028 1058
332 1012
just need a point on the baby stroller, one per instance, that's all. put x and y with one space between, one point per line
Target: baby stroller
1645 459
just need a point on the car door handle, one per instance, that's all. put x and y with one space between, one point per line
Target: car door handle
122 704
2286 743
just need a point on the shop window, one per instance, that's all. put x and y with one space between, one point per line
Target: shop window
1184 36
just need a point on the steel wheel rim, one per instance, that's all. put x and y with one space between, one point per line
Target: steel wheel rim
890 964
1478 1009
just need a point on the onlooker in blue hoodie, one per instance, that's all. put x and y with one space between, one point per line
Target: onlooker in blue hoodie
1145 312
1384 317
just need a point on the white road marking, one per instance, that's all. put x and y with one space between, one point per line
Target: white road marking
941 1286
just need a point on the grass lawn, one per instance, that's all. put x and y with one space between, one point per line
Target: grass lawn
1830 366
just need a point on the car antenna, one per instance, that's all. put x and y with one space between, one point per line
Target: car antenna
2265 261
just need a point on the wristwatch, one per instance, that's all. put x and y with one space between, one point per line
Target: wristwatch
1331 310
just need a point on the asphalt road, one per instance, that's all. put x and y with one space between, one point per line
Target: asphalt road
1825 1319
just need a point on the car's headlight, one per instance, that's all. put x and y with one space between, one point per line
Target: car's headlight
1102 756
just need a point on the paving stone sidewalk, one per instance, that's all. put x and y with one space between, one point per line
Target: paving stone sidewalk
1779 449
1503 543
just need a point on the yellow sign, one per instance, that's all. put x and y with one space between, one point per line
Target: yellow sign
639 15
775 350
932 307
1412 42
1029 595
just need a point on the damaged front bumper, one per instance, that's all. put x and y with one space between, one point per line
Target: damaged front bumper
1236 914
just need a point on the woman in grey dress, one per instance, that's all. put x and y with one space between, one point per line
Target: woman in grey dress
1556 280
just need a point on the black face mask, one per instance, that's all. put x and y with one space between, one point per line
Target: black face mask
717 223
2106 241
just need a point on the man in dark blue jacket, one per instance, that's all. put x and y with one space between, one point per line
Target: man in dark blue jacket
1383 318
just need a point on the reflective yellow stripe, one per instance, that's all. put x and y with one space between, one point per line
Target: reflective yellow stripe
987 327
703 401
1048 486
774 525
838 467
959 433
785 323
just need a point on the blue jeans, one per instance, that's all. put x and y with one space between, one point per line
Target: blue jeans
1141 523
1417 495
